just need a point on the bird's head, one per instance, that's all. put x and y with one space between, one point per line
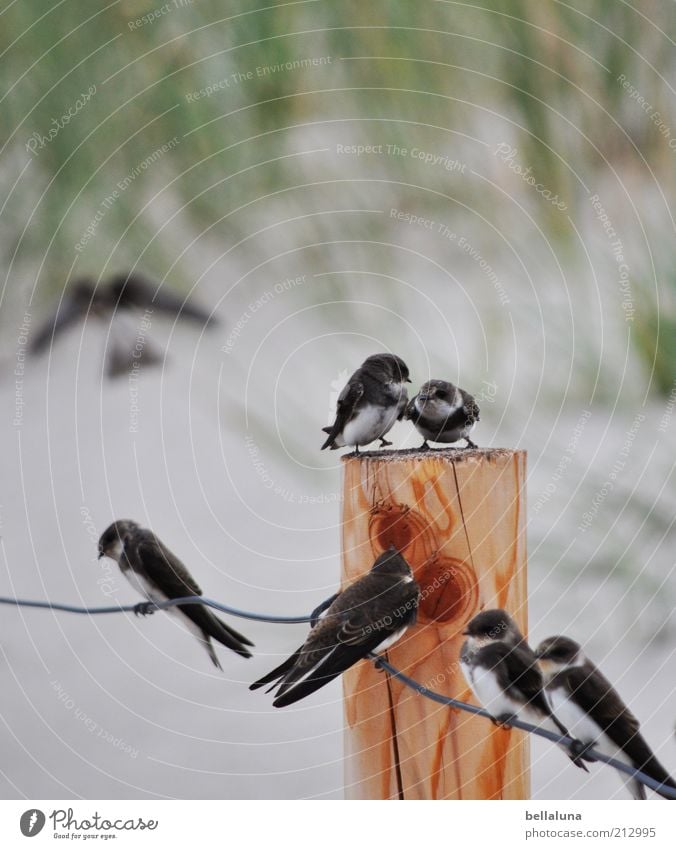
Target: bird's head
112 540
557 653
492 626
388 368
392 562
438 397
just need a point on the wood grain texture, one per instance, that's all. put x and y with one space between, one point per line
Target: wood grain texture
458 516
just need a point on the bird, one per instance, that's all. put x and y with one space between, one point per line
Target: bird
368 616
373 399
594 711
502 672
159 575
441 412
117 300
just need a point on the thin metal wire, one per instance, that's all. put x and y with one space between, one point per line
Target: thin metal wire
149 607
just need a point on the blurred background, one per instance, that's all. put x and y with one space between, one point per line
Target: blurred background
484 188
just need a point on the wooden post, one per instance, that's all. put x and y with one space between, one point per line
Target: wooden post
458 516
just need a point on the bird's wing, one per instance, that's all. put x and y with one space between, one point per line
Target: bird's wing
470 407
133 290
527 681
151 557
345 408
597 697
362 616
69 311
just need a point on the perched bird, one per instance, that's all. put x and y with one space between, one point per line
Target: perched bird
502 671
594 712
368 616
158 574
442 412
373 399
117 301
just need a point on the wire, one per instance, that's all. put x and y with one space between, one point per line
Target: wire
145 608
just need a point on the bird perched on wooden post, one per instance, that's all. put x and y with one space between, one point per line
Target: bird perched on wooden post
373 399
116 301
594 712
159 575
441 412
368 616
502 671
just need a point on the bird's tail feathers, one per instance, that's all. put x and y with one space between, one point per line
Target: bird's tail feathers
275 676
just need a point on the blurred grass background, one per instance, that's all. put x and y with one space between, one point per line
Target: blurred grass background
255 189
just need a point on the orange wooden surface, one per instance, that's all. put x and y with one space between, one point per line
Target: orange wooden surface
458 516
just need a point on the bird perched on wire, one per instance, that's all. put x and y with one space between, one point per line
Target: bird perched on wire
159 575
118 301
368 616
594 712
502 672
373 399
441 412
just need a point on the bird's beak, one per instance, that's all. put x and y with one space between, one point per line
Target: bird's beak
408 380
100 555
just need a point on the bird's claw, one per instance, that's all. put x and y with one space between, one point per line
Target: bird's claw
470 444
580 752
504 720
144 608
384 442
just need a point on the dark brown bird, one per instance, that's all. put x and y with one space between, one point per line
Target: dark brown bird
116 302
594 712
368 616
159 575
441 412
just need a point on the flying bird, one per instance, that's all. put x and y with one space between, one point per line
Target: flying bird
441 412
373 399
502 672
368 616
159 575
121 301
594 712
